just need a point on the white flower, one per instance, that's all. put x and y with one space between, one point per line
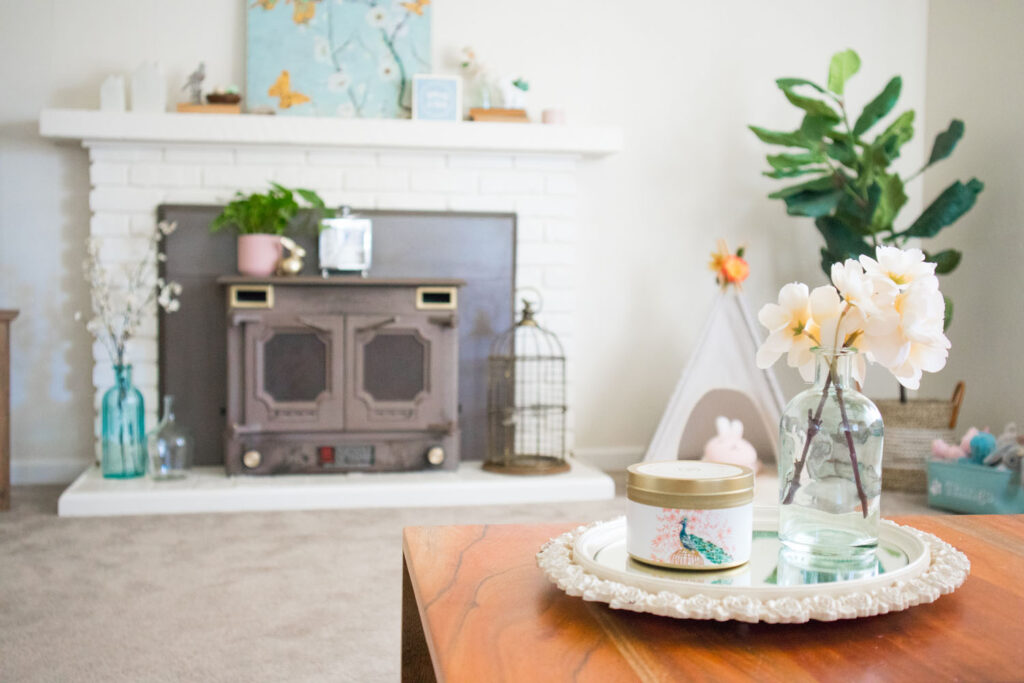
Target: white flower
838 326
896 269
388 70
856 288
377 17
790 330
914 343
346 110
321 50
338 81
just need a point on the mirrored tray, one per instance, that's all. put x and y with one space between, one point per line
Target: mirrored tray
909 568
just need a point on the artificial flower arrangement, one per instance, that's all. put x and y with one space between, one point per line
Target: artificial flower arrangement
121 298
887 310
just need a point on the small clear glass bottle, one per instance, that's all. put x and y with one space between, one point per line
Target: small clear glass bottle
170 446
830 463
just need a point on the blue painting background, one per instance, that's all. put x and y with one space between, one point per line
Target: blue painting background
346 58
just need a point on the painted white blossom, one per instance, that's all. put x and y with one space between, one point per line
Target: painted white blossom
321 50
377 17
337 81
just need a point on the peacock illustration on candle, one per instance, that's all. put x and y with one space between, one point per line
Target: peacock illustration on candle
694 551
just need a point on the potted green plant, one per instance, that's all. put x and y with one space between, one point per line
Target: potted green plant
261 220
847 187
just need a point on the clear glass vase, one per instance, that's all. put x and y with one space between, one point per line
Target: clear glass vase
123 438
170 446
830 464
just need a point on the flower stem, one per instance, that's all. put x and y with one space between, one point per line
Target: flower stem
853 451
813 426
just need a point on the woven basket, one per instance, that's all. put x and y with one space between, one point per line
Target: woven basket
910 429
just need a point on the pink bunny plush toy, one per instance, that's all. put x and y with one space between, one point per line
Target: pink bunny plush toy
953 452
729 446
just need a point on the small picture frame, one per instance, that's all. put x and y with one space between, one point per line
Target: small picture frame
436 98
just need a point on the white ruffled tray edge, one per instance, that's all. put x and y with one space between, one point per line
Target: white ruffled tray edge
947 570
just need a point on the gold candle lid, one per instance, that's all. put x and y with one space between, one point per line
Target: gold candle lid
692 484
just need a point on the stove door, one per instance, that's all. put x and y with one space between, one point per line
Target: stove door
293 369
401 373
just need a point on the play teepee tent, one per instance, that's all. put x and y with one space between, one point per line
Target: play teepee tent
721 378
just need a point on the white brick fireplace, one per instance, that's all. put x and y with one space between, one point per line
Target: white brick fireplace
140 161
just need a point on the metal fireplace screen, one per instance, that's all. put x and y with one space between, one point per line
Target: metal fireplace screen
526 401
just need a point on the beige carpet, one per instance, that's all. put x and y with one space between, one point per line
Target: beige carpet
294 596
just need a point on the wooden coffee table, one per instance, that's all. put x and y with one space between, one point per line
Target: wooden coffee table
476 608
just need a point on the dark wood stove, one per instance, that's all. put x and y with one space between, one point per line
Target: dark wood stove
341 374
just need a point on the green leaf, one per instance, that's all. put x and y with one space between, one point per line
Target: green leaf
945 142
945 261
818 184
796 172
842 152
947 318
843 65
785 83
841 243
812 106
895 136
948 207
780 161
879 107
813 128
812 203
891 198
773 137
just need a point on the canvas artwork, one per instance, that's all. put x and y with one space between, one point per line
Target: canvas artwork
350 58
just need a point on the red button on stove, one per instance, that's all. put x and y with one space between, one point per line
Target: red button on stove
326 455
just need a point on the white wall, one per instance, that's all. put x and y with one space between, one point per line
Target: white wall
682 78
976 73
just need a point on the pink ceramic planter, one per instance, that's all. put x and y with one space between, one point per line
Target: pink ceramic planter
258 255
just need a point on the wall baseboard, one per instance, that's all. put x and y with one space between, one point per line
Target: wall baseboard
27 472
611 458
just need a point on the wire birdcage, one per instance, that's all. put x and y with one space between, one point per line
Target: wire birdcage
526 400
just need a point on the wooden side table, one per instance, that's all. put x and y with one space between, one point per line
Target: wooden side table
6 316
477 608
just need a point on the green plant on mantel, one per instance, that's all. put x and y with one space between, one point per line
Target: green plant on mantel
269 213
851 193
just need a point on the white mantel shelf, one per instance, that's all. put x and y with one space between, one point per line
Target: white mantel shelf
209 489
234 129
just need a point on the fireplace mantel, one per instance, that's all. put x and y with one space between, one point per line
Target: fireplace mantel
372 134
138 162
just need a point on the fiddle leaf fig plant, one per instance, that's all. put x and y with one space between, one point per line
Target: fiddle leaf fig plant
847 185
269 213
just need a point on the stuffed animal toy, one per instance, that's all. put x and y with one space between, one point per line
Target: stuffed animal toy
982 446
1008 450
951 452
729 446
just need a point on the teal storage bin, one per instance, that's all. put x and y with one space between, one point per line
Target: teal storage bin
978 489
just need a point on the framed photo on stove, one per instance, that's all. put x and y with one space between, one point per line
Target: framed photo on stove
436 98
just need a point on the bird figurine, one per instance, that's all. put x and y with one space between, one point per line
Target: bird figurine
696 552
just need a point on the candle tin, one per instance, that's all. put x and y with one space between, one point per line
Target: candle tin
689 514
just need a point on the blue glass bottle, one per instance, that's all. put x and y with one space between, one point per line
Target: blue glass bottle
123 442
